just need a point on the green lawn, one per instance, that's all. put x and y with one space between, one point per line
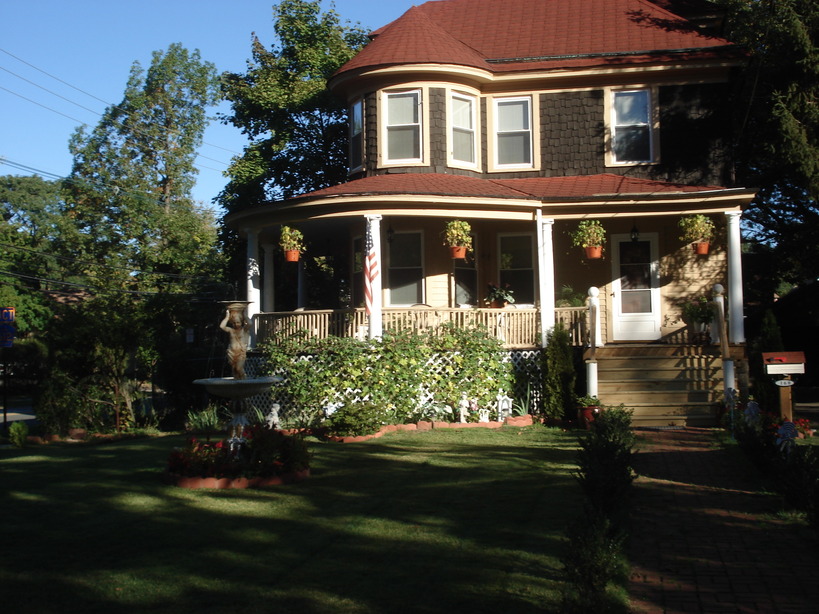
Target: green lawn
446 521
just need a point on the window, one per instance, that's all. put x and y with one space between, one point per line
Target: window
632 139
406 270
356 135
462 133
517 267
403 113
358 272
513 132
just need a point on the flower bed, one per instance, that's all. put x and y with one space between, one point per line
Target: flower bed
260 457
425 425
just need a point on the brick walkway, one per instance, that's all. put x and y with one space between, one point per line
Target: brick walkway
704 539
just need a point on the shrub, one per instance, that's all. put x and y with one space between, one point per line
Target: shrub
18 432
559 374
593 563
605 462
354 419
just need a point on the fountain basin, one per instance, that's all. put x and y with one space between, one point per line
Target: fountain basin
232 388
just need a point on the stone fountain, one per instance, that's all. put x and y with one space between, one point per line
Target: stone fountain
239 387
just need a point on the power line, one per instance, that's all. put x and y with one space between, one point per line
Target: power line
108 104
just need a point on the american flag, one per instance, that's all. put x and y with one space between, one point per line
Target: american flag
371 271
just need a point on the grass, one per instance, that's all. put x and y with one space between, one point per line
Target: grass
465 520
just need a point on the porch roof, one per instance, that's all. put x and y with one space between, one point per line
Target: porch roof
440 195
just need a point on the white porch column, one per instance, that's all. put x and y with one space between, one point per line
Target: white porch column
253 290
736 322
372 277
269 279
546 275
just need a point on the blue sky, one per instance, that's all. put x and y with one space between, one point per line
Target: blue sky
62 63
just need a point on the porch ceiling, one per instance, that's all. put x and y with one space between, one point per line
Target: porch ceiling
441 195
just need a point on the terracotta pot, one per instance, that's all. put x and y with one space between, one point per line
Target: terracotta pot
594 252
458 252
498 304
586 415
701 249
291 255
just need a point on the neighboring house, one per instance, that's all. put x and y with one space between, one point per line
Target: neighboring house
524 118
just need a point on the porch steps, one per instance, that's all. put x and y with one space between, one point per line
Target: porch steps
665 385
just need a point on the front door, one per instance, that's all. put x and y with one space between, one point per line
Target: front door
635 288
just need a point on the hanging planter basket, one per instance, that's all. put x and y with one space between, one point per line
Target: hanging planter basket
291 255
701 248
458 252
594 252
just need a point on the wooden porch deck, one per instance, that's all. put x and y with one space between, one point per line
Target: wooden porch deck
515 327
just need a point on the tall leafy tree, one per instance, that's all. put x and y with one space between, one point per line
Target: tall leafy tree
129 192
778 148
297 128
135 235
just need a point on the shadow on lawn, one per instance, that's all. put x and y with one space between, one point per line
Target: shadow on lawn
407 523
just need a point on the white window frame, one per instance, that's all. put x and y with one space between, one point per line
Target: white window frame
353 135
473 100
383 141
532 131
652 123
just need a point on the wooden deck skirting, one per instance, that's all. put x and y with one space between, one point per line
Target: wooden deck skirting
516 328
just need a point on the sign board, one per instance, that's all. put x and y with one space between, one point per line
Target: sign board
7 334
783 363
784 382
7 314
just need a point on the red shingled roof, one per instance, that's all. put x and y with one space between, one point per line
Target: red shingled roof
505 35
536 188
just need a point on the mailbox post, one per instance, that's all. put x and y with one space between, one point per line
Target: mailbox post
783 365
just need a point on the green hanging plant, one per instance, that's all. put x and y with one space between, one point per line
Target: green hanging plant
589 233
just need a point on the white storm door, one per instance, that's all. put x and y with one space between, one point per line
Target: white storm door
635 288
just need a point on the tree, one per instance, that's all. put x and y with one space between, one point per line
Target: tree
297 127
136 237
128 194
778 146
29 222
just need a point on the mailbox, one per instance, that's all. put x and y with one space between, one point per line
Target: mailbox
784 363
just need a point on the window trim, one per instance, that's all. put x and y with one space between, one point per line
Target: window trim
357 135
534 133
423 125
653 125
476 131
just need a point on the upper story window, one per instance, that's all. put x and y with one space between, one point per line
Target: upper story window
356 135
403 127
632 127
513 132
462 134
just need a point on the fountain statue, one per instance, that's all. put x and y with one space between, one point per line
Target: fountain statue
238 387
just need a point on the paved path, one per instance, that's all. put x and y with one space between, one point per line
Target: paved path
704 539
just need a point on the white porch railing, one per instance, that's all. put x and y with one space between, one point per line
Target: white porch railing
516 328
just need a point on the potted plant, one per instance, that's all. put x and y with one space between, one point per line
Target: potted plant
590 235
458 237
292 243
698 230
498 296
588 408
697 314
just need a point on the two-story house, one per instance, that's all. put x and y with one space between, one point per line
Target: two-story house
523 118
